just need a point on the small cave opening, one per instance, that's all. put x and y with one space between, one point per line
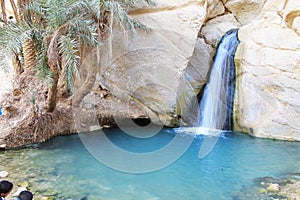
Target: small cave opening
142 121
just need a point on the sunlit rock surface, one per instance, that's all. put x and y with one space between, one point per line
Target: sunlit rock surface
148 66
268 74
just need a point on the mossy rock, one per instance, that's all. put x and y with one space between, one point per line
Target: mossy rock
262 190
48 198
274 187
50 193
24 184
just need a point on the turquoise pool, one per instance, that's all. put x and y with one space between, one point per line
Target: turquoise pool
63 167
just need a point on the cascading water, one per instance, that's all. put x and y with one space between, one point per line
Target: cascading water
215 110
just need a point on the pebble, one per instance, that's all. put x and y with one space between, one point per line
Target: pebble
3 174
273 188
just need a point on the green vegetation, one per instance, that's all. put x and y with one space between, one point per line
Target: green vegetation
51 37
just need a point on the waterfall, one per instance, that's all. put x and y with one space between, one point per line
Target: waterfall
215 110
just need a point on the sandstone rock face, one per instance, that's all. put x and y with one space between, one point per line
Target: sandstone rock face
164 68
291 14
245 10
193 81
149 67
6 77
214 8
267 100
215 28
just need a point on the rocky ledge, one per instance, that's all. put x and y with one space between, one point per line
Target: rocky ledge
25 121
270 188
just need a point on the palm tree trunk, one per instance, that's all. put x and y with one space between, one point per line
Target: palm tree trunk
21 5
52 91
14 7
63 87
92 67
2 2
53 59
17 65
29 55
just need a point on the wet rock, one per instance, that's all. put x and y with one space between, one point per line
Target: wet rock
48 198
19 190
262 190
273 188
292 191
3 174
95 128
50 193
24 184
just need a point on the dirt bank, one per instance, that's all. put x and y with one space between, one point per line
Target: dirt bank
24 119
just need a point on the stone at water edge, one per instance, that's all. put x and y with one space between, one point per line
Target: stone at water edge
24 184
20 189
273 188
50 193
48 198
95 128
3 174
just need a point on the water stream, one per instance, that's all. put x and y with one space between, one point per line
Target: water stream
215 110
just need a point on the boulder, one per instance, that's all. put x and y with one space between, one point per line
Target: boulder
215 28
267 100
273 188
245 10
214 8
147 67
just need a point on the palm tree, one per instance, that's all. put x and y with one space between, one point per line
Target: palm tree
54 34
3 9
104 13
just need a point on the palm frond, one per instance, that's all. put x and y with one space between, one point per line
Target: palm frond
75 8
36 8
69 51
133 2
12 37
117 9
55 16
85 30
42 68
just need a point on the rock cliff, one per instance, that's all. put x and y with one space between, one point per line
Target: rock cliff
148 67
164 68
268 80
